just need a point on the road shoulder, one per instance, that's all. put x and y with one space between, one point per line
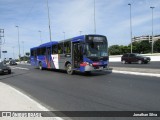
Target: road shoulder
14 100
136 71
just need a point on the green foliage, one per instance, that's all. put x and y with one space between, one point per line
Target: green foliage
137 47
144 47
114 50
24 58
27 54
157 46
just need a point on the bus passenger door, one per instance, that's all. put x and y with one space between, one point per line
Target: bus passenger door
48 57
77 54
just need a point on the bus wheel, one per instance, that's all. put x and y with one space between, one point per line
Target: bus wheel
40 66
69 69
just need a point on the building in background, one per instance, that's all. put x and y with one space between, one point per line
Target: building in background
146 37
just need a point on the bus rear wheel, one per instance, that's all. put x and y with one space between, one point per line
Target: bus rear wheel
69 69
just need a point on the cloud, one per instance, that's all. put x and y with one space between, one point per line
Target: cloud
72 16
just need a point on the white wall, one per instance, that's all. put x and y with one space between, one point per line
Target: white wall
117 58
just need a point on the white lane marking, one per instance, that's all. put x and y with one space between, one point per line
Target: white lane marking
33 101
136 73
20 68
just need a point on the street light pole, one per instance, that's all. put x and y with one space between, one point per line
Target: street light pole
49 22
131 24
23 50
40 36
23 47
94 18
63 41
80 32
13 52
1 35
64 35
18 43
152 29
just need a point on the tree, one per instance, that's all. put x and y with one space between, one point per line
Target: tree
125 49
114 50
27 54
157 46
144 47
141 47
136 47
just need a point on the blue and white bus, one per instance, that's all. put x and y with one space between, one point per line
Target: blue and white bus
84 53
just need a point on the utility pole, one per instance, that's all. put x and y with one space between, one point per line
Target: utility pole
80 32
94 18
13 52
1 35
23 47
18 44
40 36
131 24
64 35
152 30
49 22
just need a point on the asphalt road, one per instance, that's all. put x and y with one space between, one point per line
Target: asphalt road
151 65
97 92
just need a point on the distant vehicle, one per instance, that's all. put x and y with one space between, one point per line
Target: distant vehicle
134 58
4 68
84 53
12 62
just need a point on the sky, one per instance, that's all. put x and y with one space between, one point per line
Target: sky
72 16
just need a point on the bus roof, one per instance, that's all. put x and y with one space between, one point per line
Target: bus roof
48 44
74 39
79 38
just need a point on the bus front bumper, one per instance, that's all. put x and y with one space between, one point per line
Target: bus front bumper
96 68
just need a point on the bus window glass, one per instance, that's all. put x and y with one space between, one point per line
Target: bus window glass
54 49
39 51
96 46
67 47
60 48
32 53
43 50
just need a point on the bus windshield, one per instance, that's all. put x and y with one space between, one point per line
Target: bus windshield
96 46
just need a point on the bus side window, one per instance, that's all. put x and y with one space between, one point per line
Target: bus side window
39 51
67 47
43 50
31 52
60 48
54 49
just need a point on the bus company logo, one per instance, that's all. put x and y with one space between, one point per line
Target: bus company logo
6 114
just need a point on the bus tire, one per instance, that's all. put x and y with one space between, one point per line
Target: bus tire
40 66
69 69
